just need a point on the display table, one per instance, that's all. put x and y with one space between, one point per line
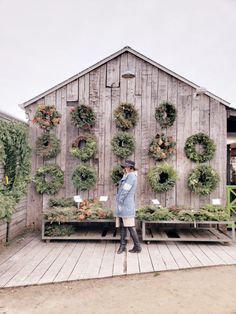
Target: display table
197 231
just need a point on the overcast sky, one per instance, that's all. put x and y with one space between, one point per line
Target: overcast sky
44 42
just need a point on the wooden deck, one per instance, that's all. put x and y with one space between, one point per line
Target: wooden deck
30 261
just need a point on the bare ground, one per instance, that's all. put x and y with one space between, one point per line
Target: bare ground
205 290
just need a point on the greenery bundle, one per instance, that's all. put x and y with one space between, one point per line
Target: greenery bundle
123 144
47 146
48 179
7 207
126 116
117 174
62 202
84 177
162 178
83 117
203 179
205 213
162 147
16 158
166 114
207 144
47 117
55 230
87 151
60 214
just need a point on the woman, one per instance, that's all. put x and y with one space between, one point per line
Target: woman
125 210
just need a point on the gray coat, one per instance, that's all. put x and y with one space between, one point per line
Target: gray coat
125 197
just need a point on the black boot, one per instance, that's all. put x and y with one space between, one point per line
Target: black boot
123 232
137 247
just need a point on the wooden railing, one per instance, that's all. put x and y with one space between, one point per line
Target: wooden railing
231 199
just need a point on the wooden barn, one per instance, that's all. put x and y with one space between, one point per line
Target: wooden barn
103 87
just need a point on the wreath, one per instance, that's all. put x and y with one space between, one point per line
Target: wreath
203 179
48 179
162 178
83 117
117 174
126 116
84 147
123 144
207 145
48 146
162 147
84 177
166 114
47 117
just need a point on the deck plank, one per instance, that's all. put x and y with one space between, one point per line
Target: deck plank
156 258
106 269
83 261
119 267
201 256
211 255
167 256
54 251
145 262
190 257
70 263
57 264
217 249
179 257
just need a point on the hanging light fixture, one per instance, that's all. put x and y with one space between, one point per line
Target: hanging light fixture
128 74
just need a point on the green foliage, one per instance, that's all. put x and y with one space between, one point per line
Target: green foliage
84 177
55 230
7 207
205 213
83 117
152 213
126 116
162 147
60 214
2 153
207 144
61 202
88 151
123 144
162 178
47 146
48 179
47 117
166 114
16 157
203 179
117 174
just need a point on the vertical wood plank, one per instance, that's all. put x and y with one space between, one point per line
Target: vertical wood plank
113 73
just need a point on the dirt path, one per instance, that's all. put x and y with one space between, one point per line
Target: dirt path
203 291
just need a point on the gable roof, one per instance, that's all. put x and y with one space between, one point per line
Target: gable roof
114 55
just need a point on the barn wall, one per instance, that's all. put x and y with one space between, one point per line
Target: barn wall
104 89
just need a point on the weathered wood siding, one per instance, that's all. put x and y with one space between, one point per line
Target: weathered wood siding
104 89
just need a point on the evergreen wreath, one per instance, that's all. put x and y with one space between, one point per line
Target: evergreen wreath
203 179
117 174
126 116
47 117
48 179
123 144
47 146
207 144
166 114
162 147
84 147
162 178
84 177
83 117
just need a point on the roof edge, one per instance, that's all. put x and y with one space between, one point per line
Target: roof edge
112 56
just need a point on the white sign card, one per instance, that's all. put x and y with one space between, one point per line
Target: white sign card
156 202
216 201
78 199
103 198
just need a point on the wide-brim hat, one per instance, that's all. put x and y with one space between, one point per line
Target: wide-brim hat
129 163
